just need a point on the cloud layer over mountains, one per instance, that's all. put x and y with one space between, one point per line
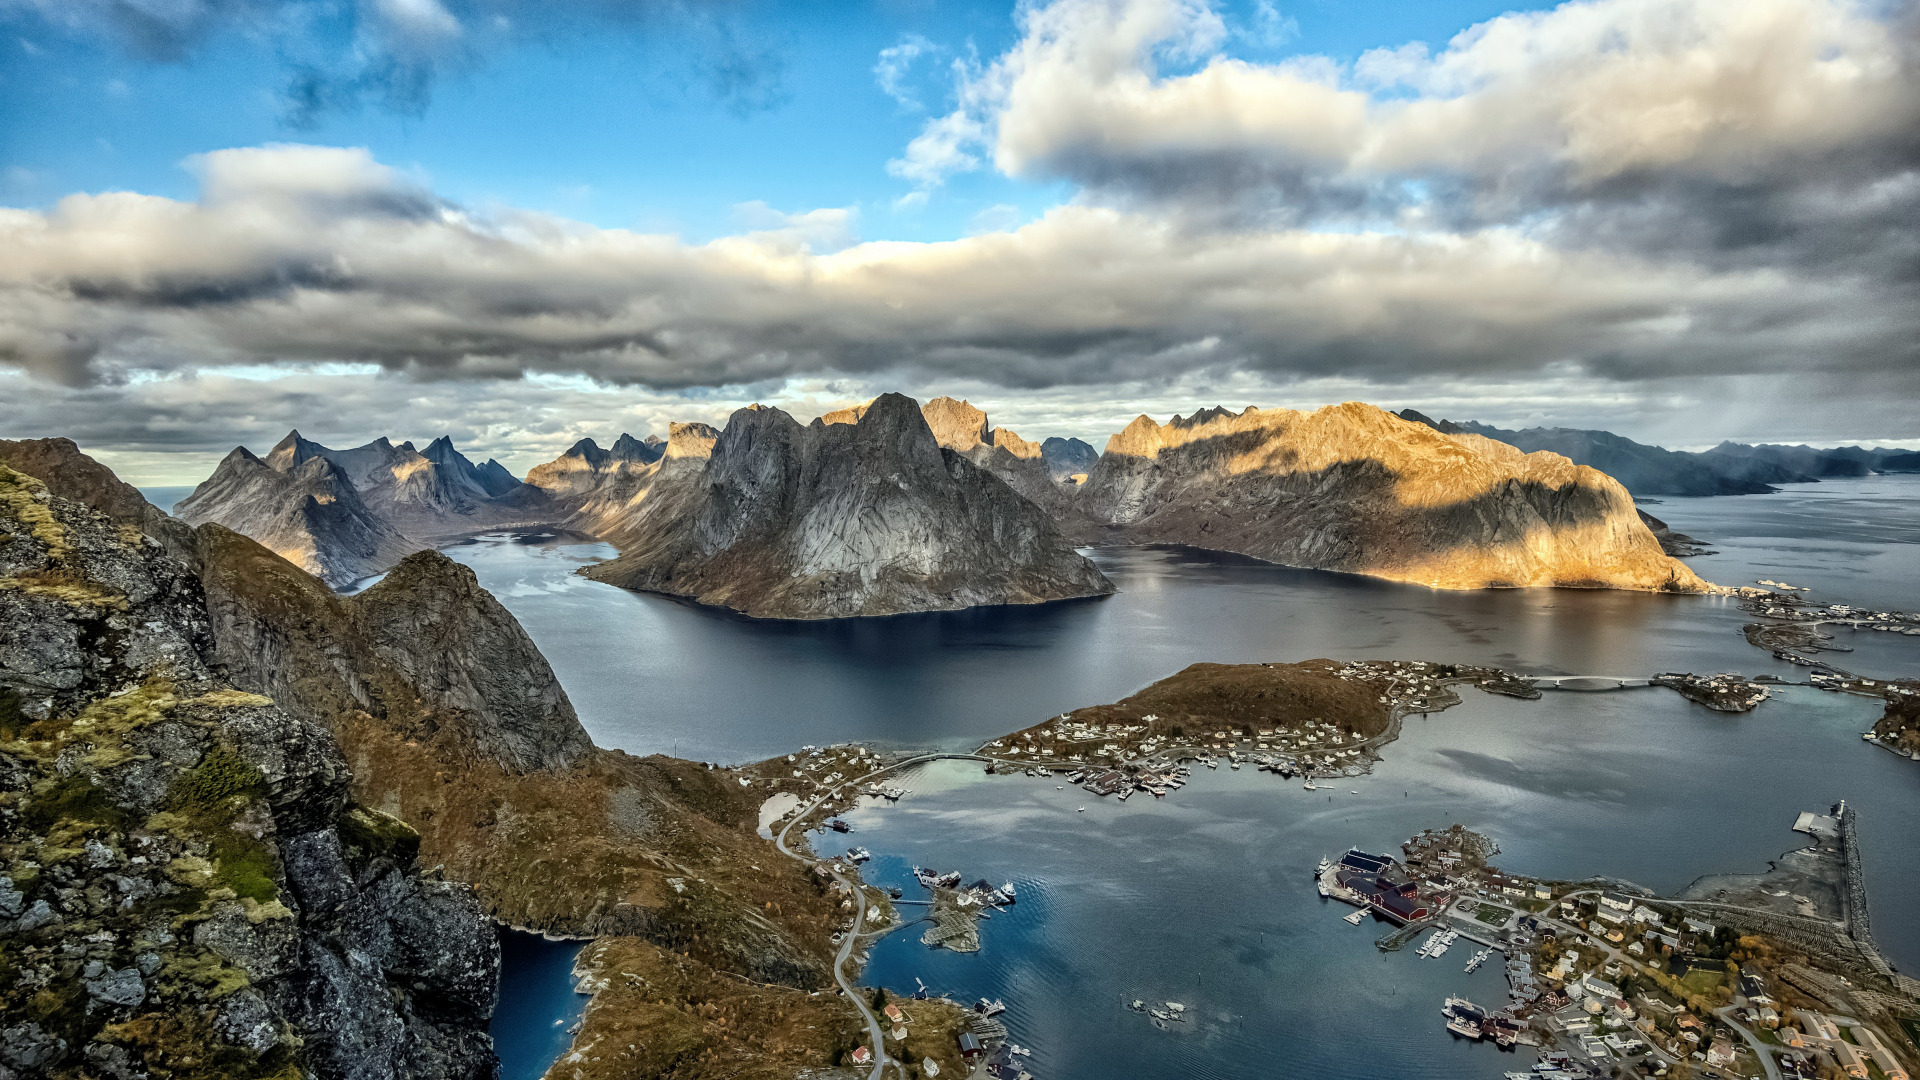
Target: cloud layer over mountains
1634 190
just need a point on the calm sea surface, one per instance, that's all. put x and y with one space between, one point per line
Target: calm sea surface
1205 898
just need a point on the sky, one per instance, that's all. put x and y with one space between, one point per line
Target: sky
522 223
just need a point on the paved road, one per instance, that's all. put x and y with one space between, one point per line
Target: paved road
1759 1048
874 1031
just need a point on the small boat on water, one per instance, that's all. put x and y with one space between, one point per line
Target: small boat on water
1466 1028
1354 919
1309 785
990 1008
1478 959
1326 864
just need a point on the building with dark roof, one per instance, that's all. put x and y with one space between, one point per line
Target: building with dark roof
1385 886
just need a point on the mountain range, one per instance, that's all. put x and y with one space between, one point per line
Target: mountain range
893 506
1728 469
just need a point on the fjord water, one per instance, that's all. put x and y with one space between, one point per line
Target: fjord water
1205 898
654 675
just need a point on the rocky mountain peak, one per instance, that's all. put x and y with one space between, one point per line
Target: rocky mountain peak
432 625
628 448
310 513
1066 458
690 440
957 425
588 451
847 518
1352 487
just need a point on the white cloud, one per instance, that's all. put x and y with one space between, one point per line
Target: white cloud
422 25
896 63
945 146
1594 89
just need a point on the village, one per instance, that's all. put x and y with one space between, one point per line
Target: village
1608 981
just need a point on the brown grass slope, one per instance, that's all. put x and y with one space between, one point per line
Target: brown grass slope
553 833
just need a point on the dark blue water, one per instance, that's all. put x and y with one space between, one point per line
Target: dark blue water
654 675
537 1003
1206 898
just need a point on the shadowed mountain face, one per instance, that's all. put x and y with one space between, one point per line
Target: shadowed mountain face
870 517
237 914
1067 458
1356 489
344 515
308 511
1728 469
614 494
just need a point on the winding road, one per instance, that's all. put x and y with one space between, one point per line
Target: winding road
874 1031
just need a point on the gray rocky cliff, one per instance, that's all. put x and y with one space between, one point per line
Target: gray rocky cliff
187 889
836 519
614 494
1066 458
310 513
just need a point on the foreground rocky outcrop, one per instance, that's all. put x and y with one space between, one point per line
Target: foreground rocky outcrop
226 772
835 519
189 889
1353 488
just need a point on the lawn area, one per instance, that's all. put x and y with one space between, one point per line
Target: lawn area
1491 915
1702 982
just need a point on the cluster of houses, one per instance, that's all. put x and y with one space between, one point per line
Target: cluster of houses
1814 1040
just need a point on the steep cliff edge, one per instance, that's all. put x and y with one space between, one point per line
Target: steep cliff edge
1353 488
960 427
453 722
187 889
345 515
308 512
845 519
